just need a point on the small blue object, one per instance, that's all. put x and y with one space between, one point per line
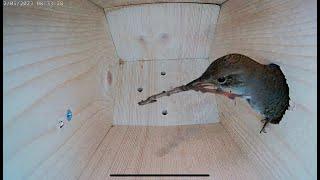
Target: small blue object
69 115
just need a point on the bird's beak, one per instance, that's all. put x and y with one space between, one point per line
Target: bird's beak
203 82
209 83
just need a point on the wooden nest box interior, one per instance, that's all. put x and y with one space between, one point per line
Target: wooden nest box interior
74 71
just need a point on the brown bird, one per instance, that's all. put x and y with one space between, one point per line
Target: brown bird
236 75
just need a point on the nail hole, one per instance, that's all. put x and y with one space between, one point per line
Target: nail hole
164 112
140 89
164 36
61 124
163 73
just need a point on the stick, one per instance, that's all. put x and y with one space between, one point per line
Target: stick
154 98
198 86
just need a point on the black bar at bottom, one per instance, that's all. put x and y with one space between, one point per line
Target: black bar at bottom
184 175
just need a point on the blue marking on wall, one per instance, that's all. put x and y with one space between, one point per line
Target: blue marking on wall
69 115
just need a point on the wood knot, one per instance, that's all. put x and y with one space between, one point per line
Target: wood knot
121 62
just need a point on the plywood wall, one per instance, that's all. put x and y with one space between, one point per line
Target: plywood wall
168 31
55 58
281 32
203 149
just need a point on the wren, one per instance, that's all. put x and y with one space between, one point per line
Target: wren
235 75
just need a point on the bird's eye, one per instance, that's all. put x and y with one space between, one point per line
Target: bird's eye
221 80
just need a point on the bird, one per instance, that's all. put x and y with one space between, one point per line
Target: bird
263 86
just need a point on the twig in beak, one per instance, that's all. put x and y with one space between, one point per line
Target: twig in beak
154 98
196 87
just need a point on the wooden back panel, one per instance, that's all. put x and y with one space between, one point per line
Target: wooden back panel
169 31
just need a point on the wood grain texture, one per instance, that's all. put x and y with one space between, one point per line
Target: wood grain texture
70 159
121 3
163 31
284 33
181 149
55 58
184 108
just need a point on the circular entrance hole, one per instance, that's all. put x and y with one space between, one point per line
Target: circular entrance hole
140 89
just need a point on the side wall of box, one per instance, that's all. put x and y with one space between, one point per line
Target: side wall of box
55 58
281 32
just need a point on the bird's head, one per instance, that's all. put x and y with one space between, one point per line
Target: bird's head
231 73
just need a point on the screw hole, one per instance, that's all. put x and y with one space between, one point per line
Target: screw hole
61 124
163 73
140 89
164 112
